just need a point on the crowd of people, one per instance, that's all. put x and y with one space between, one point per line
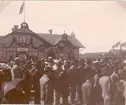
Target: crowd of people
66 82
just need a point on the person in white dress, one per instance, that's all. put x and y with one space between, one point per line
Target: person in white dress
105 83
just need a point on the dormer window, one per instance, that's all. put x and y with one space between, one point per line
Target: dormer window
24 25
64 36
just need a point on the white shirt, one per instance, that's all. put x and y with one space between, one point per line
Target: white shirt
42 81
105 85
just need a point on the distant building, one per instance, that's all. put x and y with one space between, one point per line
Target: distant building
117 52
92 55
111 53
25 43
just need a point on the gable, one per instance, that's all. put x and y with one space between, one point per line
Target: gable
75 42
14 40
56 38
52 39
24 30
49 39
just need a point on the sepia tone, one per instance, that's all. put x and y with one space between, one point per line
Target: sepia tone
62 52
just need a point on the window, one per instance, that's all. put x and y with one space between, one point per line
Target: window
22 39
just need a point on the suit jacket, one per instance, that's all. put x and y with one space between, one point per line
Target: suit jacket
73 74
16 72
80 74
57 76
114 79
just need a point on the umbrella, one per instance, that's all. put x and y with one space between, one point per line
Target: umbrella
5 66
12 85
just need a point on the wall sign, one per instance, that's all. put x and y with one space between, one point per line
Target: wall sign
22 49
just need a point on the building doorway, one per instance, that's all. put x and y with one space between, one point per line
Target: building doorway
22 55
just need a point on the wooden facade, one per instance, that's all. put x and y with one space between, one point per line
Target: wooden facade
25 43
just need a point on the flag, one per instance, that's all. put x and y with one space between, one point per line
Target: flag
21 8
116 45
123 44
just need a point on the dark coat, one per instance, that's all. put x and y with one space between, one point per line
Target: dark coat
15 97
64 79
80 74
16 72
27 83
73 75
56 77
96 94
36 85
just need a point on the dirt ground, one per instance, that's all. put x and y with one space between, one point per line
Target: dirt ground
122 102
42 103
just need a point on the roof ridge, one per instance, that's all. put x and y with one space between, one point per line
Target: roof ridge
54 34
48 33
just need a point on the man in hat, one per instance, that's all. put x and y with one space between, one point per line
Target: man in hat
57 82
80 80
27 79
36 74
73 81
46 86
50 62
16 70
114 80
96 91
96 67
65 82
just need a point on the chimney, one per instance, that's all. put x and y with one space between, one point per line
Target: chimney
50 31
72 34
15 27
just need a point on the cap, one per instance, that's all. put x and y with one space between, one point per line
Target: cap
56 61
95 62
49 58
65 61
124 61
17 59
46 63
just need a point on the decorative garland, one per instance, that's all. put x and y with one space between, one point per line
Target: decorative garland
40 47
62 44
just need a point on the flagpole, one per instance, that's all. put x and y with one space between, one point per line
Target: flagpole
24 10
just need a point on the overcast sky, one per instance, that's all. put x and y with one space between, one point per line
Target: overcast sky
96 24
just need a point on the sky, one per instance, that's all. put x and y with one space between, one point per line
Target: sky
96 24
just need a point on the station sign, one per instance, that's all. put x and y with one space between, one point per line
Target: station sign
22 49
